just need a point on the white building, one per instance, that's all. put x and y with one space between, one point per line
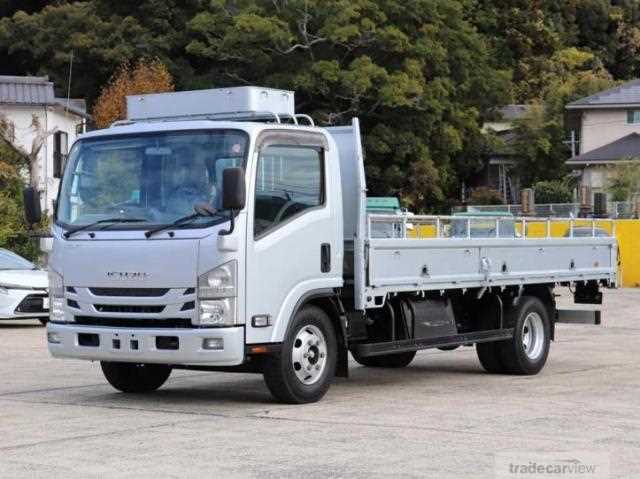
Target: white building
28 108
608 132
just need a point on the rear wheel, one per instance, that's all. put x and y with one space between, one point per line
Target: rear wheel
526 353
399 360
135 378
304 369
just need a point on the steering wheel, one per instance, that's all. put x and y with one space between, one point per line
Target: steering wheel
283 210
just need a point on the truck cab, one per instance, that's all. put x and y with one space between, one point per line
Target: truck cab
152 265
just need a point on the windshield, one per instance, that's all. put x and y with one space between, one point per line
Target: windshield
9 260
156 178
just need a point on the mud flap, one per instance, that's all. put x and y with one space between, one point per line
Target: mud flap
579 316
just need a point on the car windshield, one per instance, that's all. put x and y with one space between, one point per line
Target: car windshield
481 228
154 179
9 260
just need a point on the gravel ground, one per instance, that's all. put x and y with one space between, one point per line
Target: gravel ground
440 417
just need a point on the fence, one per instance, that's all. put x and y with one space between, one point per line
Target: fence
469 226
615 209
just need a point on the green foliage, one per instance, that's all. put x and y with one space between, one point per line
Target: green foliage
421 74
417 74
554 191
13 228
485 196
624 181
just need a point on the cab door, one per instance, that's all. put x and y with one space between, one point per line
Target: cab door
294 231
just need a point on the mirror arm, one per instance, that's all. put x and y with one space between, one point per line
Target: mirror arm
232 225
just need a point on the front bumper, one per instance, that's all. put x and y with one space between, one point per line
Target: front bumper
16 304
140 345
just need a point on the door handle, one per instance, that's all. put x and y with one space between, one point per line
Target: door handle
325 258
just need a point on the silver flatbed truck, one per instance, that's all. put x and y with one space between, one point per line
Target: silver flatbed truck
219 230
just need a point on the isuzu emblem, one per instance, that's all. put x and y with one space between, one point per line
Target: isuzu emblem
127 275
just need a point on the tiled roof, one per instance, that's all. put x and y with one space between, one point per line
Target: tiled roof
26 90
622 95
622 149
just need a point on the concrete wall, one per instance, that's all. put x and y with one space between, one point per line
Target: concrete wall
600 127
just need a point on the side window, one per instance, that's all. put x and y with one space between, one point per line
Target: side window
289 181
633 116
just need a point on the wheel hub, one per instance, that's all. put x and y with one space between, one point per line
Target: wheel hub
533 336
309 354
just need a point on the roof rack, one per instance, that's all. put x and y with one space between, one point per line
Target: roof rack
235 104
231 116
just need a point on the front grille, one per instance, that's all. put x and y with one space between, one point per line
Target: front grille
132 292
121 308
34 303
134 322
188 306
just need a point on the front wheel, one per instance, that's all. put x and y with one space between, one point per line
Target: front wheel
135 378
304 369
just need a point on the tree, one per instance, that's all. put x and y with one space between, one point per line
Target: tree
485 196
30 155
422 75
417 74
146 76
540 137
554 191
13 228
538 145
624 180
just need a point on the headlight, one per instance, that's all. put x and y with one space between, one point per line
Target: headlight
217 296
219 282
56 297
217 312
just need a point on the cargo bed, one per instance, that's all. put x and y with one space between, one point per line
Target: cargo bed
424 253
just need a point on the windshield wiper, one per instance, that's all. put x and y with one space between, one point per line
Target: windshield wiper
67 234
182 221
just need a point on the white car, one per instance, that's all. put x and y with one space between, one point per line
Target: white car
23 289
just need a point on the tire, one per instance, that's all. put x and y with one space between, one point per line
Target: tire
135 378
489 356
43 321
305 367
399 360
489 353
526 353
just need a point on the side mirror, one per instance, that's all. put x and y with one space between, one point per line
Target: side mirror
233 189
32 209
